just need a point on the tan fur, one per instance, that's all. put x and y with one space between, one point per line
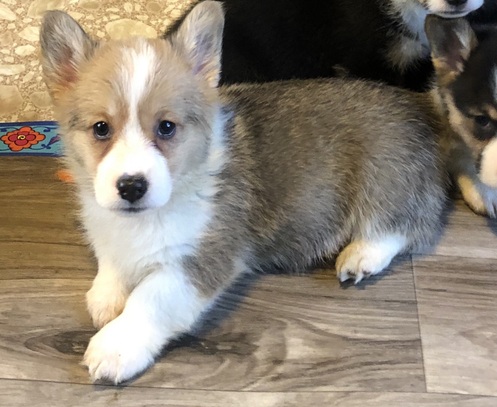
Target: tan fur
446 75
491 111
464 127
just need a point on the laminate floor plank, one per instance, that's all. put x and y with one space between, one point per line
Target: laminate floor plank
32 260
41 394
457 301
466 234
272 340
44 329
257 338
35 206
270 333
279 338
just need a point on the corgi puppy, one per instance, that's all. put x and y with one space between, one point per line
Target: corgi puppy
466 89
267 40
185 185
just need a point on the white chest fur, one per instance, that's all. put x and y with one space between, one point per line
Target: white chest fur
137 243
408 48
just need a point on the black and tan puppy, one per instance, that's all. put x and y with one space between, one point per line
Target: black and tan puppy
466 72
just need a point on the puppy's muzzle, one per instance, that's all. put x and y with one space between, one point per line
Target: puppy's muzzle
131 188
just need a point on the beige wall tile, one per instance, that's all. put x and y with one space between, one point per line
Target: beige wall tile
6 13
23 93
11 99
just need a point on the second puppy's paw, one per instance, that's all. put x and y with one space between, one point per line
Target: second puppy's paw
480 198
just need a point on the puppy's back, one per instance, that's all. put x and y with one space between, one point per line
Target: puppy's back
343 157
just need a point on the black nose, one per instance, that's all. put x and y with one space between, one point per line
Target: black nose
132 187
457 2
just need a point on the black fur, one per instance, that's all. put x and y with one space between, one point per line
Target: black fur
486 14
266 40
474 89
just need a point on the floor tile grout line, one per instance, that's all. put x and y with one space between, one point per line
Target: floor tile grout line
44 242
140 387
419 324
423 256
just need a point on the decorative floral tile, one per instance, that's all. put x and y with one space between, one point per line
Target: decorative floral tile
30 138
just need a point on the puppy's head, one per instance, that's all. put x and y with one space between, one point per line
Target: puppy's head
466 72
137 115
451 8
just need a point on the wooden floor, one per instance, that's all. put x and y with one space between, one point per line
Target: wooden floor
424 334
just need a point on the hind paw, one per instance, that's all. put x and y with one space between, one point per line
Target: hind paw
361 259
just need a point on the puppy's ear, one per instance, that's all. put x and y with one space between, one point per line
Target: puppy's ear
451 42
64 46
199 39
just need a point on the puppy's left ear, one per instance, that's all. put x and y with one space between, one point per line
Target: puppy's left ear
64 47
199 38
451 42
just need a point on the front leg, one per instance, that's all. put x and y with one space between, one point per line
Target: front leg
107 296
479 197
164 305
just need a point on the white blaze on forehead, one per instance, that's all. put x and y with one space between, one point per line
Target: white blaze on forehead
139 65
488 169
137 71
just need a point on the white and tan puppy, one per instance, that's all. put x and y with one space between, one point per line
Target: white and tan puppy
184 185
466 72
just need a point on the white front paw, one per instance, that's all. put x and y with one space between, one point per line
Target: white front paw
104 302
120 351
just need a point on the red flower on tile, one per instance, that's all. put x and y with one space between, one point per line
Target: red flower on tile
22 138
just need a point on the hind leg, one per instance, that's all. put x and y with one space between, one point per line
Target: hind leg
362 258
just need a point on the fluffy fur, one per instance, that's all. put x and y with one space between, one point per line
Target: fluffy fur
466 69
267 40
255 176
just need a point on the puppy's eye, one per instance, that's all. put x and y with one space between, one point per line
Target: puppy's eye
101 130
482 120
485 127
166 130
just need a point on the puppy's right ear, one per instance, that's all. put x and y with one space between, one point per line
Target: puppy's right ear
451 42
64 46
